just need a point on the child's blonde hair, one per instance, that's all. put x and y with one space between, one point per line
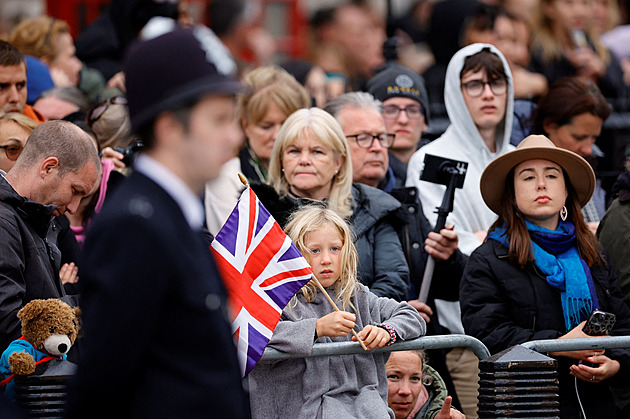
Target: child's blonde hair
312 218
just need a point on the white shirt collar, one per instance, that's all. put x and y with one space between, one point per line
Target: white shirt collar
189 203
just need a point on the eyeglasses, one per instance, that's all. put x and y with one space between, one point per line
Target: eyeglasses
100 109
365 139
12 151
475 88
392 111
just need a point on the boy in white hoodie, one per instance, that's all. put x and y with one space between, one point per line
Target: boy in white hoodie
479 98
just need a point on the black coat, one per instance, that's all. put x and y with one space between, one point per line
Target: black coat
29 258
503 305
157 340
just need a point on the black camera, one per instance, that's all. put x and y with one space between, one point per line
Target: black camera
129 152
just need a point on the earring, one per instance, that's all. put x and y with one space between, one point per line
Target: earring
336 171
283 170
564 213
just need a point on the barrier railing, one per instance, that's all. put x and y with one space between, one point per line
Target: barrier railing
350 348
578 344
455 341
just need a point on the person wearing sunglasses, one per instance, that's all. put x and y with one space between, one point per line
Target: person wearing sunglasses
405 111
479 99
14 131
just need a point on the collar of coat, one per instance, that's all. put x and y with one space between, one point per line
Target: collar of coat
36 215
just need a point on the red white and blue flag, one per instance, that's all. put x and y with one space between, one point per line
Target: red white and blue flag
262 270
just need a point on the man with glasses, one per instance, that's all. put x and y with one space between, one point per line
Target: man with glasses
359 115
479 101
406 113
367 136
57 168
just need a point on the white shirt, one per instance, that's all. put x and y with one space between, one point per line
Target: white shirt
186 199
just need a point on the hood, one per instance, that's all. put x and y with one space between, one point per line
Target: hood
462 125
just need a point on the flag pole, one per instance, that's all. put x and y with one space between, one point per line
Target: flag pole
321 288
330 300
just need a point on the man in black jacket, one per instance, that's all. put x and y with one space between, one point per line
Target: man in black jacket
58 166
157 339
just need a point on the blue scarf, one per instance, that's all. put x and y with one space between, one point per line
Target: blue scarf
556 256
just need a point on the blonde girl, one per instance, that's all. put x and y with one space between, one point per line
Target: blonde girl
337 385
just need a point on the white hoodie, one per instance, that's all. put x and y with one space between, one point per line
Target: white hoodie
462 141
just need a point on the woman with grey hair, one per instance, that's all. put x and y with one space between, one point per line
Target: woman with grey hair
310 165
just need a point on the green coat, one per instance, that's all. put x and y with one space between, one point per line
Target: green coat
437 394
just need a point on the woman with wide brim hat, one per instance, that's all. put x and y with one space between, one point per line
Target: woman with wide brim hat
540 272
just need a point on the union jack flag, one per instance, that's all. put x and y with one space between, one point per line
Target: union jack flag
262 270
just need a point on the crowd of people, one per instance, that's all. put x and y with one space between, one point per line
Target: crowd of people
121 154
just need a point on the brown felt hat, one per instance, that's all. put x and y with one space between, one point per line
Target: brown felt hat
535 147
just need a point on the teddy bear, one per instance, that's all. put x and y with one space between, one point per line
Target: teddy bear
49 329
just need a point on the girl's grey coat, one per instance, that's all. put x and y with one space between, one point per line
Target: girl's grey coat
340 386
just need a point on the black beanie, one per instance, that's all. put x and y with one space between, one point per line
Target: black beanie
175 70
399 81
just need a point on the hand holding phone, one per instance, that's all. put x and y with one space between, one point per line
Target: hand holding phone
579 38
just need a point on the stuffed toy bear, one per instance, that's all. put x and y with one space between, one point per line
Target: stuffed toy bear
49 329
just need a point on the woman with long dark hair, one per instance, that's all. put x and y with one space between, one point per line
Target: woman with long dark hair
540 272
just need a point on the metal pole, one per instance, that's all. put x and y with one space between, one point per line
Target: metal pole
350 348
442 211
578 344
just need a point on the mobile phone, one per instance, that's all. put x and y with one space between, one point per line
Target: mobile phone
599 323
579 38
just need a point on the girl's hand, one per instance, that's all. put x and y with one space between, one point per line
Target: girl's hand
69 273
373 337
335 324
606 369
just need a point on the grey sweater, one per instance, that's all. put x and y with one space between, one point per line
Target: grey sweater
343 386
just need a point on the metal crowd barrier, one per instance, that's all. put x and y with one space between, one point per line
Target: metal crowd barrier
350 348
454 341
578 344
